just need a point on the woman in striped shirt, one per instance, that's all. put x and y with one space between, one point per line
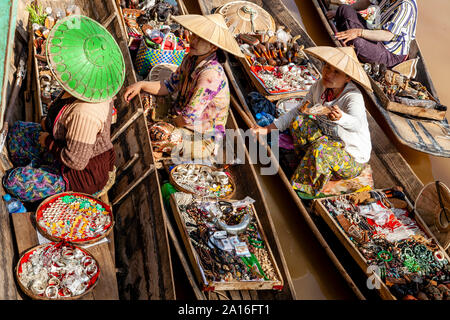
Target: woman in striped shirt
388 39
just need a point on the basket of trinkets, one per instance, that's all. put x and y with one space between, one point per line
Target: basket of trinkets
57 271
225 243
75 218
389 240
203 180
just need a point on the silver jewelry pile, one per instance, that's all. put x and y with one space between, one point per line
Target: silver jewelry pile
56 271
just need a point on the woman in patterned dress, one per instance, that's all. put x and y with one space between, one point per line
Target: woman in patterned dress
200 86
335 144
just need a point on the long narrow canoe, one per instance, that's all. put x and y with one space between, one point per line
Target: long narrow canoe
389 167
247 185
429 136
142 253
8 26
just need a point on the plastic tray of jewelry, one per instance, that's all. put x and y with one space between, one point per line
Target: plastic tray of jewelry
222 259
74 217
390 242
57 271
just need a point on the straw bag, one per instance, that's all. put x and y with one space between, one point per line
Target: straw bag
147 57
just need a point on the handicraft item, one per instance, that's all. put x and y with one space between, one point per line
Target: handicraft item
157 39
226 243
382 234
203 180
401 94
57 271
75 218
43 21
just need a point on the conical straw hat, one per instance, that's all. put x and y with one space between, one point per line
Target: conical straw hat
343 59
211 28
246 17
85 59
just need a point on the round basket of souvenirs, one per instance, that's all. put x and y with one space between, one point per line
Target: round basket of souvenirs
202 180
75 218
57 271
60 270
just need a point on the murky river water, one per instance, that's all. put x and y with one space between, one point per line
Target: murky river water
314 275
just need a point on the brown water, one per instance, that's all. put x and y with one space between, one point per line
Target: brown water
313 274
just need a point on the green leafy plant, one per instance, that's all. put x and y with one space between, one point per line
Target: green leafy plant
37 14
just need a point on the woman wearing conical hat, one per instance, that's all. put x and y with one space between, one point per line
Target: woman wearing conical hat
71 149
201 89
334 143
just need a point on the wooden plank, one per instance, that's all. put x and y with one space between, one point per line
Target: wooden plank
142 248
106 288
199 295
26 236
8 289
245 295
234 295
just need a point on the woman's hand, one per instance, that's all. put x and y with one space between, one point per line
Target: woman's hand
43 124
42 136
331 14
335 113
257 130
179 121
349 35
132 91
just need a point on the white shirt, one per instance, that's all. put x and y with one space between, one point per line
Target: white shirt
352 127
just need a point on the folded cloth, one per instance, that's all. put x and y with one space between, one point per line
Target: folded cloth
258 103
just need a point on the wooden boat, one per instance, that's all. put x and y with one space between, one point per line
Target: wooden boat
140 247
252 188
388 166
8 22
429 136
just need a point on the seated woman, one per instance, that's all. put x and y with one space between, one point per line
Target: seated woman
390 36
335 145
201 88
71 149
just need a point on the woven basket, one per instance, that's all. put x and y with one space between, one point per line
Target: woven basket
37 297
182 189
50 237
147 58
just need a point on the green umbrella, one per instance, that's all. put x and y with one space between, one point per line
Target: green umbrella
85 59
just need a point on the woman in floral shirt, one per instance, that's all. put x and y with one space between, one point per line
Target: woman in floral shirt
201 89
